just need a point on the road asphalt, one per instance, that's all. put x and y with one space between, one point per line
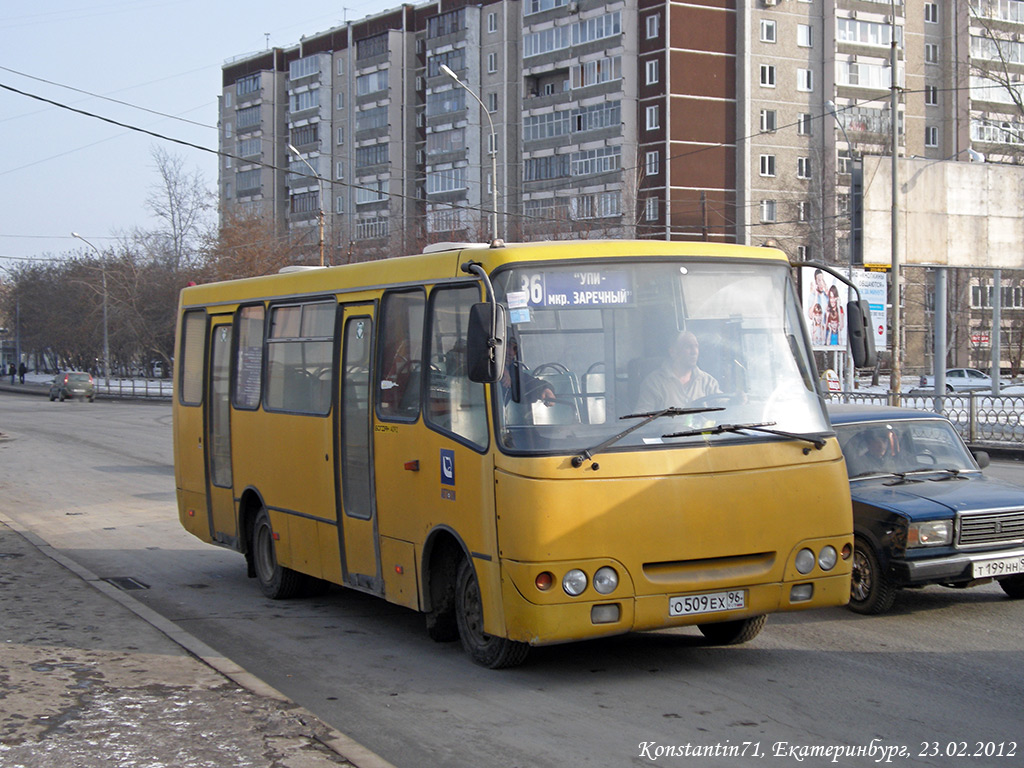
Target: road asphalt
91 677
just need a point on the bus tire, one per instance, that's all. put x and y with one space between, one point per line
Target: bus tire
276 581
486 650
733 632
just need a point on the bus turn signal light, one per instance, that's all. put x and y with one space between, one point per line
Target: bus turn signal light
544 581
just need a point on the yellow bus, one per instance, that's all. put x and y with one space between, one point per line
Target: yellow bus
529 443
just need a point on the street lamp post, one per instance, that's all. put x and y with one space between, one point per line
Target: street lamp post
106 329
17 327
494 149
320 215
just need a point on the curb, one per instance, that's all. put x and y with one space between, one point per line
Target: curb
344 746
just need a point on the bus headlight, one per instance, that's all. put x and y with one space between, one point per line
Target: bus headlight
828 558
606 580
805 561
574 582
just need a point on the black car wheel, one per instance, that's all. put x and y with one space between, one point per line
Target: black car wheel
276 581
871 591
1013 586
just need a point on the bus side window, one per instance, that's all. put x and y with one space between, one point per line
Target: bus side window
400 365
454 403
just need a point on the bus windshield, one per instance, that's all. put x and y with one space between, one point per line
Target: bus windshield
594 348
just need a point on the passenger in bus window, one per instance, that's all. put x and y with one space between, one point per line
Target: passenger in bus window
678 381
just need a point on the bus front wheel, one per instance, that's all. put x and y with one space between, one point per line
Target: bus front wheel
733 632
486 650
276 581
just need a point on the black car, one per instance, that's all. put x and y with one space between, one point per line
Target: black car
923 512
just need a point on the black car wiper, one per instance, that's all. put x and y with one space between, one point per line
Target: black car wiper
648 417
817 441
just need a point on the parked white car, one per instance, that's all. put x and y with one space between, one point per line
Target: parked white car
962 380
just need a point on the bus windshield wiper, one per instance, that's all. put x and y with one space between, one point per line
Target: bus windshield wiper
648 417
816 441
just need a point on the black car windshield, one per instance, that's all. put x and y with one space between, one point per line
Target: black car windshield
902 445
595 348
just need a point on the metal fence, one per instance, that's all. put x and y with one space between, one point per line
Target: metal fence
981 418
137 388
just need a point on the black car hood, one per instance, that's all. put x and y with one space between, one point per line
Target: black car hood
937 495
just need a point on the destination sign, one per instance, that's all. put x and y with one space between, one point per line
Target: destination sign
579 289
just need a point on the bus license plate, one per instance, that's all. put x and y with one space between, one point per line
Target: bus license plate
711 602
1004 566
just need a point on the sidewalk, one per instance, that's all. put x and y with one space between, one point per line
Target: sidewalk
90 677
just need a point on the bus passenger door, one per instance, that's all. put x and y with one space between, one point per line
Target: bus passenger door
219 488
357 521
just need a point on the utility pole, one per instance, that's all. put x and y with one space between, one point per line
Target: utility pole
894 370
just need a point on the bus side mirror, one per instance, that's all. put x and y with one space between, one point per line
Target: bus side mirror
486 352
861 335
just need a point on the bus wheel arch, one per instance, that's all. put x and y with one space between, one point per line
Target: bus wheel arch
275 580
442 554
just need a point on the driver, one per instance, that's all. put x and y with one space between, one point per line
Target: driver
678 381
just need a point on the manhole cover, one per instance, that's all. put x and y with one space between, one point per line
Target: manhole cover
126 582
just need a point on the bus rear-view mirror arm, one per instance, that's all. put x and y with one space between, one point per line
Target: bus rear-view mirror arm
485 336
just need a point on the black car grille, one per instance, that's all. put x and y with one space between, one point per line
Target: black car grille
995 528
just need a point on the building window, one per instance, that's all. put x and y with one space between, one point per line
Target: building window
492 62
651 209
803 252
339 100
767 165
339 204
767 31
652 165
931 95
652 25
653 117
492 102
492 22
803 124
805 35
931 53
768 120
931 13
341 67
768 211
803 167
768 75
803 210
597 71
652 71
931 136
339 170
804 80
843 162
341 134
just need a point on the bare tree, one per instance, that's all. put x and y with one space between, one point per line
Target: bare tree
182 202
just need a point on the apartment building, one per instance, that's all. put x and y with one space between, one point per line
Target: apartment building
714 119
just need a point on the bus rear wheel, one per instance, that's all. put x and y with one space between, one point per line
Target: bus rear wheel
486 650
733 632
276 581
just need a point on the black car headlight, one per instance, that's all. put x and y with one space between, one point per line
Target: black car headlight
931 533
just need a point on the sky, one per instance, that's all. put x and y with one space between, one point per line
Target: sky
64 172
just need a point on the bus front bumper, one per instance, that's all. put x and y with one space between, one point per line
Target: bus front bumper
570 620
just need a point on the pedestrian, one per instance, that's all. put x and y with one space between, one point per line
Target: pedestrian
12 371
22 370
